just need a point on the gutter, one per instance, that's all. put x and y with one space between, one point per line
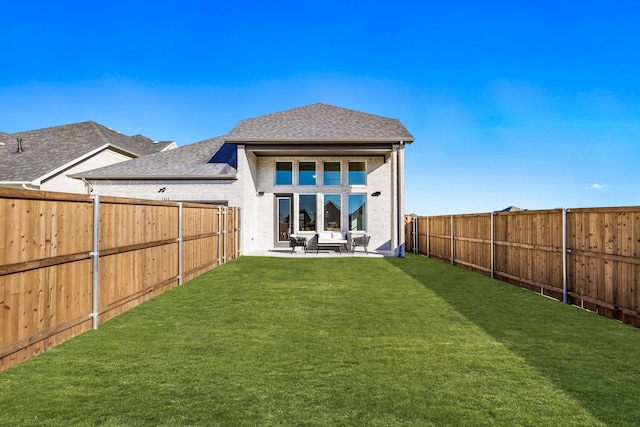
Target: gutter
149 177
294 141
89 186
26 185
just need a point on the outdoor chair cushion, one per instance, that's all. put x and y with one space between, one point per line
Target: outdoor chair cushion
331 238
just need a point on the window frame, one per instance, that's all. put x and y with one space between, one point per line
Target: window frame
314 176
325 222
364 172
300 227
364 213
324 173
275 174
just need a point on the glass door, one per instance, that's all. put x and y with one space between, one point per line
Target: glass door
284 223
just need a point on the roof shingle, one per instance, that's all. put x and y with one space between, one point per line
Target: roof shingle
186 162
319 122
45 150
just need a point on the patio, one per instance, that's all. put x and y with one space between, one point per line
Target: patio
322 253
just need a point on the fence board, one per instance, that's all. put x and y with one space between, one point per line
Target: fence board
46 241
603 260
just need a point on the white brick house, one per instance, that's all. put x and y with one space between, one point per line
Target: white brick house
298 171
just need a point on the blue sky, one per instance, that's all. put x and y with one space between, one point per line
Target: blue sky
532 104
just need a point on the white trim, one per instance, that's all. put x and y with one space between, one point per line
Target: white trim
77 160
315 169
170 146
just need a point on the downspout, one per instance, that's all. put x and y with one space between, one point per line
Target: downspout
89 187
399 198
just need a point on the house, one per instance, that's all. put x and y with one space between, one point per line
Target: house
42 159
299 171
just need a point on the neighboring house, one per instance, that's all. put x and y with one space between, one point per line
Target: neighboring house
42 159
299 171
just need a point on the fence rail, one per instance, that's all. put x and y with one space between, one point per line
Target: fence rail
589 257
69 262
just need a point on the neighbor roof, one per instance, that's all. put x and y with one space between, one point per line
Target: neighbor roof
191 161
47 150
319 123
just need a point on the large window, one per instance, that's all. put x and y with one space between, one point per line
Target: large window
306 173
332 212
357 173
331 175
307 212
357 212
284 173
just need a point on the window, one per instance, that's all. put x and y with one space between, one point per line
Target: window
306 173
307 212
284 173
357 173
357 212
331 174
332 212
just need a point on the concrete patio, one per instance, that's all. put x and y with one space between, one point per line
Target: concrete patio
323 253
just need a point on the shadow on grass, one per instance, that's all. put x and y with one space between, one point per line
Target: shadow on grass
594 359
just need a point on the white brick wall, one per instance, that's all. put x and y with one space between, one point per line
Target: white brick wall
255 191
378 208
174 190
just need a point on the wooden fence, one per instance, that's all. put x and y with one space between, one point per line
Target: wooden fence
69 262
586 257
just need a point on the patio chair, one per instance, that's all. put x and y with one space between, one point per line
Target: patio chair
312 244
297 241
362 241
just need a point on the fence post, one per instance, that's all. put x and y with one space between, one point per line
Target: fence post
428 253
236 229
493 242
180 247
219 234
416 236
417 240
95 255
565 288
452 243
224 235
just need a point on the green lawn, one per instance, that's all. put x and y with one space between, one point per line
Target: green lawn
330 342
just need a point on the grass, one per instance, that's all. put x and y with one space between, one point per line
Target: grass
331 342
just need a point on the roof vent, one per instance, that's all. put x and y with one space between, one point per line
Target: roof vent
19 145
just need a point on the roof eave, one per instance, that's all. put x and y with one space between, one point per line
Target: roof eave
148 177
80 159
253 140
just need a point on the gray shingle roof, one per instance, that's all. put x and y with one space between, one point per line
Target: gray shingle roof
186 162
45 150
321 123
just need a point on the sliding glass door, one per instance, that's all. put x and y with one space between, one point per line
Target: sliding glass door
284 224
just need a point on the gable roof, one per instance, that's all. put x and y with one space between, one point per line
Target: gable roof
47 150
319 123
193 161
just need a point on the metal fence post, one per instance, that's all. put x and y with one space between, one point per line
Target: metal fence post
416 236
565 287
224 235
452 242
219 234
95 255
236 230
180 247
493 243
428 239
